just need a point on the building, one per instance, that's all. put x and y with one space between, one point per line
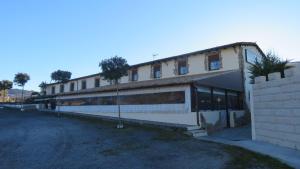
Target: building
198 88
14 95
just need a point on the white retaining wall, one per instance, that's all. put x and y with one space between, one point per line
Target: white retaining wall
276 109
19 106
167 113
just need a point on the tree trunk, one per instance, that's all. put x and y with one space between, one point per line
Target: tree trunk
118 103
4 95
22 97
3 91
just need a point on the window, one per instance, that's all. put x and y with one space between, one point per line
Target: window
53 90
234 101
204 98
175 97
72 86
157 71
83 84
214 62
215 99
134 74
61 88
182 67
97 82
219 101
251 57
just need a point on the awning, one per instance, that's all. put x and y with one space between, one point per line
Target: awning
228 80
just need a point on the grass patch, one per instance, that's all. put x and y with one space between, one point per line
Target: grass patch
123 148
245 159
164 135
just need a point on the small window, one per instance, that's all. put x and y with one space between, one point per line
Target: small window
97 82
72 86
83 84
214 62
53 90
182 67
134 75
61 88
157 71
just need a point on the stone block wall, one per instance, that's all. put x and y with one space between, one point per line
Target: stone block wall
276 109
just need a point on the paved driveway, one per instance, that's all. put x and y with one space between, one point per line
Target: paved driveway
37 140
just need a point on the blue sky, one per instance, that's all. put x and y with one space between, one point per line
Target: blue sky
39 37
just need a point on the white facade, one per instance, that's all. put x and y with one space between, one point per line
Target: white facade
196 65
231 57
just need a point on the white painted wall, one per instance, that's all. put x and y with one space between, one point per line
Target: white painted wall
168 113
127 112
144 73
167 68
196 66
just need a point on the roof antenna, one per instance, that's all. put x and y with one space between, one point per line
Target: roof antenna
153 55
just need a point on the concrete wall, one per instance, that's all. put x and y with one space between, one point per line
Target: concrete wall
19 106
168 113
276 109
213 120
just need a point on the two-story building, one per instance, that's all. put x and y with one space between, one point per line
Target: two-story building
196 88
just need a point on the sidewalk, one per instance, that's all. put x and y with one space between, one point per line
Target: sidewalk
241 139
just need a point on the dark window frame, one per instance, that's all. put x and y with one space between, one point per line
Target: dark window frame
72 86
61 88
214 58
157 68
53 90
97 82
83 84
134 75
182 63
214 106
175 97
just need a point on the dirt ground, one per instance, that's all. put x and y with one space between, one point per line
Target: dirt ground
36 140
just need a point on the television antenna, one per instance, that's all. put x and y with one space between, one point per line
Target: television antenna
154 55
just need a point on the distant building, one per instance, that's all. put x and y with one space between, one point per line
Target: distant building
186 89
14 95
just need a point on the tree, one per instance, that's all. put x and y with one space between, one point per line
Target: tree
43 87
269 63
5 85
21 79
61 76
112 70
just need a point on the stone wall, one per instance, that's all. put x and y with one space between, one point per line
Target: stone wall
276 109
